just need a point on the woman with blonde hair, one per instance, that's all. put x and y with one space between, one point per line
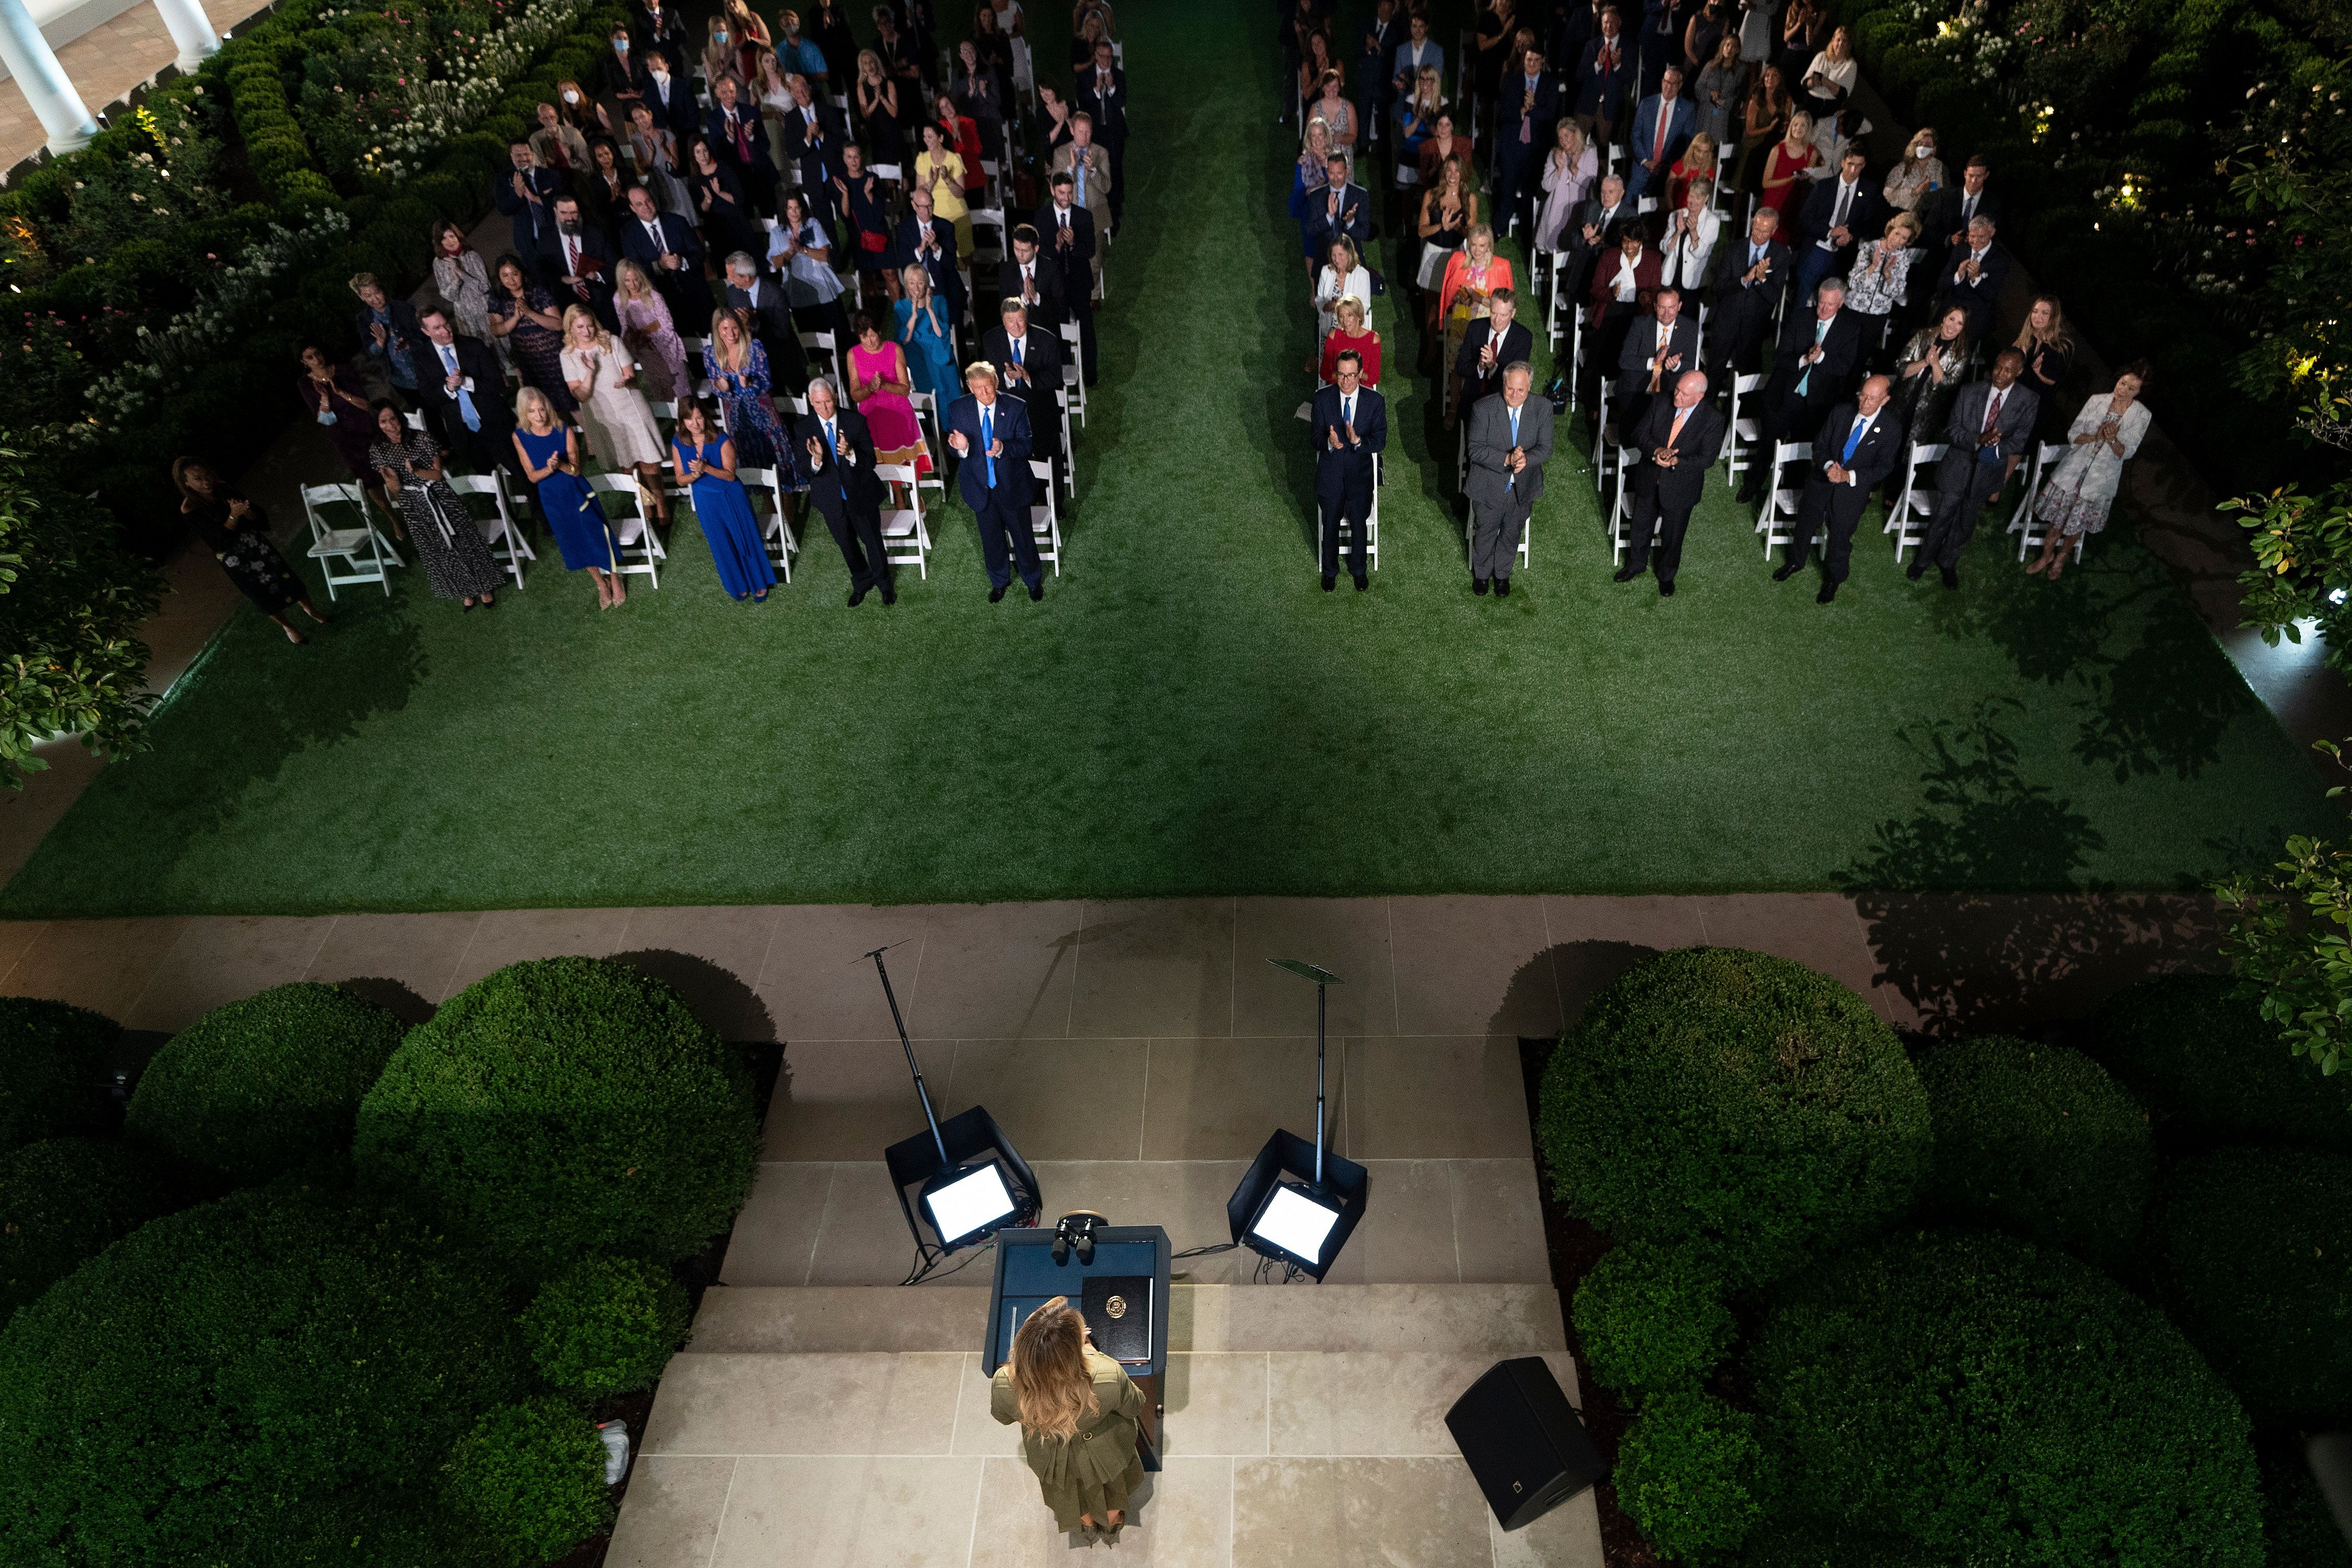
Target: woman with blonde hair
2048 345
1882 270
736 365
613 413
1352 334
878 109
1416 114
1344 276
1076 1409
551 460
1568 171
1472 275
1913 181
1793 155
1698 162
650 334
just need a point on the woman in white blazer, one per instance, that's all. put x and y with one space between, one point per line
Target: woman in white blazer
1687 238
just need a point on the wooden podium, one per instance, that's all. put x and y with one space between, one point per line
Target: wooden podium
1027 1278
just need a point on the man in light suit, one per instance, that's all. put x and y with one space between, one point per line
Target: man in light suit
1811 368
1663 124
1087 163
1344 209
990 435
832 451
1852 456
1744 281
1352 427
1973 276
1527 106
1656 353
1510 442
667 247
1678 437
1990 433
1837 216
1028 361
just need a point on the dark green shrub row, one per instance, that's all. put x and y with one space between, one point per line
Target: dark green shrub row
1651 1320
2197 1051
605 1326
65 1200
265 1085
53 1064
1690 1473
530 1477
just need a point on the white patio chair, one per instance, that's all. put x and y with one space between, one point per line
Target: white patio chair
1073 380
507 544
1777 521
1044 517
1915 508
636 546
905 540
366 556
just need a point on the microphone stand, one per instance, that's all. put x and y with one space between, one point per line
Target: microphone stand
1324 979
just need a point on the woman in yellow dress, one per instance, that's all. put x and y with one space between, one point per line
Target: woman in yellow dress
1077 1411
939 171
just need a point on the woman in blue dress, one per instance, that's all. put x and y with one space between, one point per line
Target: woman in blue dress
928 333
737 368
551 458
704 457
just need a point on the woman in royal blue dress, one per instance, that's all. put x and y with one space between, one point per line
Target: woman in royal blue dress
702 455
551 458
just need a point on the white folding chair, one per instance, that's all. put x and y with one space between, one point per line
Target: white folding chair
1073 380
2031 531
1740 435
825 345
1559 270
1621 513
765 492
365 553
890 172
989 252
703 387
905 540
1604 451
1777 521
1044 517
926 422
636 547
1069 446
1370 525
1915 507
508 546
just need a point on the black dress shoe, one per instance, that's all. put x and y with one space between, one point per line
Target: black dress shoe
1829 591
1665 588
1627 573
857 597
1750 491
1951 578
1917 570
1036 591
1328 579
1478 585
1362 583
1787 571
996 596
1502 587
889 595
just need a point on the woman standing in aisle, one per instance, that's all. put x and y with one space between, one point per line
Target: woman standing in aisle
2078 493
703 458
333 396
1471 276
238 534
458 562
650 335
613 413
881 384
927 336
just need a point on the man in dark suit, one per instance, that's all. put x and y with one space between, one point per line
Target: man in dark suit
1973 276
1956 206
1811 368
1343 209
1678 437
1510 442
1068 232
1100 94
1527 106
926 240
667 247
990 436
1602 75
762 300
1990 433
575 261
669 93
736 138
813 138
389 334
833 451
1352 427
1373 62
1034 278
1745 279
526 194
1655 354
655 25
1663 124
1852 456
1592 230
1577 23
1836 217
1487 347
463 393
1028 361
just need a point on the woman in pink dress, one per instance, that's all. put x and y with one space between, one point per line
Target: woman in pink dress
651 337
879 382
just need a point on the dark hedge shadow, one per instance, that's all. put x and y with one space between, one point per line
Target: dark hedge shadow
726 1006
393 996
1549 991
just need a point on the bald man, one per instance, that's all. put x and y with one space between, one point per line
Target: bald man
1678 436
1857 450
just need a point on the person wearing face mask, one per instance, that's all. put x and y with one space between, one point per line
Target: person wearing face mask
670 96
796 53
558 146
658 27
1915 181
624 71
579 110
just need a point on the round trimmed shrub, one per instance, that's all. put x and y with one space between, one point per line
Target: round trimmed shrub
531 1477
2253 1253
1692 1474
66 1200
267 1084
2040 1142
53 1065
1998 1402
1734 1103
1651 1320
2210 1070
277 1350
605 1326
565 1106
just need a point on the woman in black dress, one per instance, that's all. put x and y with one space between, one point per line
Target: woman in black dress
524 314
727 223
239 536
333 396
457 563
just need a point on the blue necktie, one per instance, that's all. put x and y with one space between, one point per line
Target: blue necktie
464 398
1512 483
839 483
988 440
1082 180
1854 439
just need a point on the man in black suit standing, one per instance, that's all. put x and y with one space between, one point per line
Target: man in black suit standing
1069 231
464 391
1678 437
1744 281
1343 209
667 247
1956 207
1835 217
669 94
1815 360
762 300
655 25
576 262
1592 229
1100 93
1034 278
1990 433
1373 62
1527 106
1352 427
1655 354
833 452
813 138
1489 346
1972 275
526 194
1852 456
738 137
928 241
1028 361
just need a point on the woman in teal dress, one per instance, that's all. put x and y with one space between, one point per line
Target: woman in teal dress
701 455
928 334
551 457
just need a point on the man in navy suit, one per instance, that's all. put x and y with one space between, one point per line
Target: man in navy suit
1837 216
575 262
1744 281
1028 361
1663 124
1527 106
1655 354
669 93
1381 35
1678 437
833 451
1663 21
1956 206
526 194
1857 449
1342 208
1990 433
1351 427
1973 276
1067 232
667 247
813 138
990 435
1600 78
737 136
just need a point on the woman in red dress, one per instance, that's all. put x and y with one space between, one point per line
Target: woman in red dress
1785 165
1353 334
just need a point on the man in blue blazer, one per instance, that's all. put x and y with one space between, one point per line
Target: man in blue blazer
1859 446
1990 433
1838 214
1340 208
1972 275
1601 73
667 247
1351 427
738 136
1527 106
1415 52
990 435
1663 124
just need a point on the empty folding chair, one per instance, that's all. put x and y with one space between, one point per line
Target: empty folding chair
823 346
1777 521
987 233
2032 530
927 423
1621 511
1740 433
1916 507
905 540
1559 270
1604 450
1073 381
508 546
766 494
1044 517
364 554
637 548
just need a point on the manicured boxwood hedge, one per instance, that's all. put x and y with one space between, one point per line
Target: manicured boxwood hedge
1736 1104
530 1477
274 1365
565 1106
267 1084
2040 1142
1651 1320
605 1326
1808 1543
2197 1051
64 1201
2253 1260
1690 1473
53 1063
1999 1401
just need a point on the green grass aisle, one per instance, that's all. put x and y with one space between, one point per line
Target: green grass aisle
1186 713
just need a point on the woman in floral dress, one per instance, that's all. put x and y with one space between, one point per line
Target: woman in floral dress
737 368
651 336
523 317
463 280
458 562
238 535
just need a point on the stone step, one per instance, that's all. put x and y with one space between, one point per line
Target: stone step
1494 1320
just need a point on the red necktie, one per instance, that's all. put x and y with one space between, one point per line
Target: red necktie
1992 412
1665 112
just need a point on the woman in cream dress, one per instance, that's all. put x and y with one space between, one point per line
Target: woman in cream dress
2078 492
613 417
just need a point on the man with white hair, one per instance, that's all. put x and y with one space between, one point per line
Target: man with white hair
768 316
1677 438
832 451
1510 442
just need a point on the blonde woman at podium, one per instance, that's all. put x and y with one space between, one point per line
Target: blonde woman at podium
1077 1412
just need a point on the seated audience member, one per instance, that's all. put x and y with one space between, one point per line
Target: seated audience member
1655 354
1954 207
1972 275
1351 333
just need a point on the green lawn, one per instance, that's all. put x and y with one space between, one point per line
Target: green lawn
1186 713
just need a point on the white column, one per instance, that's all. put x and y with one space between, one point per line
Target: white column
43 81
191 29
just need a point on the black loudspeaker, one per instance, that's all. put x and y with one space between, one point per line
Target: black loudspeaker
1525 1446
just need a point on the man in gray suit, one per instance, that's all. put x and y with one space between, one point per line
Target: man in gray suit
1510 441
1991 431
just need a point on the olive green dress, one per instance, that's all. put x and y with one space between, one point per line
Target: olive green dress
1092 1471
